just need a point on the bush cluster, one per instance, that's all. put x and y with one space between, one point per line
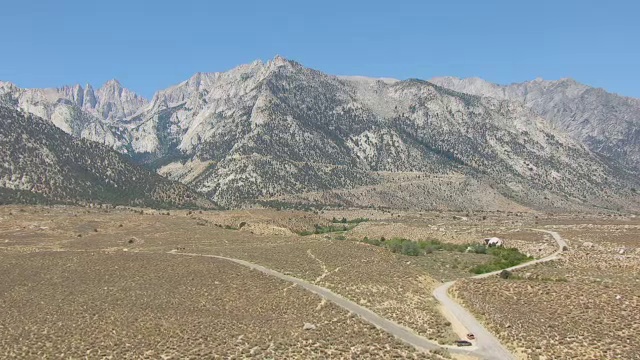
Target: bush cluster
503 257
345 221
335 227
416 248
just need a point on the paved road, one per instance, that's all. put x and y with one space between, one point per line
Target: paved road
401 332
487 346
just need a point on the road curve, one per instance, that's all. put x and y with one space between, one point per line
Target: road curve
487 345
402 333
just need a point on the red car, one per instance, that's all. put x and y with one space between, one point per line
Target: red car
470 336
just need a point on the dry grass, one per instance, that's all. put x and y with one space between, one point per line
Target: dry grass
99 283
141 305
113 264
369 275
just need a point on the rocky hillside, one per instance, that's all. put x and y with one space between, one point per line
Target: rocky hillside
81 112
41 163
607 123
266 130
279 132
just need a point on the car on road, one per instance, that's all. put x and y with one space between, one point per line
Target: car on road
470 336
463 343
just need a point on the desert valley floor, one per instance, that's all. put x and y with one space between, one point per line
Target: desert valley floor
109 283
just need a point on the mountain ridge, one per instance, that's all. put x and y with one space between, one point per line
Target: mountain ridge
607 123
276 130
40 161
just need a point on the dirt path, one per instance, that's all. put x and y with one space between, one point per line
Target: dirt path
325 271
487 345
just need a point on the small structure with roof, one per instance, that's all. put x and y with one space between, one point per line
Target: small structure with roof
493 242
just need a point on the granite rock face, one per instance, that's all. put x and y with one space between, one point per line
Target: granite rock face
607 123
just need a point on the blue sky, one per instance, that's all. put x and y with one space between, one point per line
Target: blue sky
150 45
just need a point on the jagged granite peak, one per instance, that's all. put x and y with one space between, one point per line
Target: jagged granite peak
81 112
89 98
607 123
183 111
115 102
119 102
73 93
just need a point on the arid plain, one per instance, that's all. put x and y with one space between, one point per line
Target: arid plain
94 283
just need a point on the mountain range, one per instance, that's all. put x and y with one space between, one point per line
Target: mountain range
607 123
277 132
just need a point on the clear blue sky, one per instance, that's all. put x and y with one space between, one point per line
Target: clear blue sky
150 45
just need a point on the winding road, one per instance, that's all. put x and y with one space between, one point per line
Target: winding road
401 332
486 347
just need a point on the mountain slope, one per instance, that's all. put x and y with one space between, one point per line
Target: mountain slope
279 132
81 112
43 163
269 130
607 123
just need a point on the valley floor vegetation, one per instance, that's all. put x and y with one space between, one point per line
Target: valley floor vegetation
72 275
503 257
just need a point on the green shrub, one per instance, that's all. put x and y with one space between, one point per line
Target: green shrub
503 258
374 242
352 222
394 245
478 249
505 274
410 248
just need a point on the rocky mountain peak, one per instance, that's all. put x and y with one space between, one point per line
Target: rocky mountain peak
112 86
268 130
89 97
280 60
115 102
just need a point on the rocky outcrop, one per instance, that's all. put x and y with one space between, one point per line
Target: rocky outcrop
79 111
